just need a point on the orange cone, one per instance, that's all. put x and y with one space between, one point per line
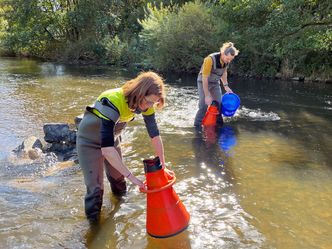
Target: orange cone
166 215
210 117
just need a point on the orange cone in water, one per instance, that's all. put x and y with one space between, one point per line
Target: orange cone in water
166 215
211 114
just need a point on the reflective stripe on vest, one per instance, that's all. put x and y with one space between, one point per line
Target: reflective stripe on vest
104 111
116 99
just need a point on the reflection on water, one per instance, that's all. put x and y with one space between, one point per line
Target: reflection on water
227 138
263 180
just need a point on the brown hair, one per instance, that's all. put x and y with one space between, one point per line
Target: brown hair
146 83
228 48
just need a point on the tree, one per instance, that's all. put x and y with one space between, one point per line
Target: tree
178 37
283 34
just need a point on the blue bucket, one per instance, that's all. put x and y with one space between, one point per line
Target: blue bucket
230 103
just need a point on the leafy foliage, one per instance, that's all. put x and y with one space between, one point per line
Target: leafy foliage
67 30
290 38
178 38
286 33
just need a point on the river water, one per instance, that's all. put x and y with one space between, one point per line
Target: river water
263 180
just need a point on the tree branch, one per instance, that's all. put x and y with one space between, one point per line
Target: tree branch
308 25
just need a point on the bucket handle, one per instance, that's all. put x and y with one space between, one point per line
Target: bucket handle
168 185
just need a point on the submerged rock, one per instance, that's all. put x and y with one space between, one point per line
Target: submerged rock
31 148
59 140
44 157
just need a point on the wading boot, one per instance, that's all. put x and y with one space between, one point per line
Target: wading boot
93 202
118 186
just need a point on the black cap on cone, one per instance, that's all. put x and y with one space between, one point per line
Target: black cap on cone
214 103
152 165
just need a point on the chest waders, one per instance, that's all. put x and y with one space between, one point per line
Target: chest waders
214 88
111 105
93 163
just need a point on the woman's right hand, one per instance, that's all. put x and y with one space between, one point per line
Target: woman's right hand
137 181
169 172
208 100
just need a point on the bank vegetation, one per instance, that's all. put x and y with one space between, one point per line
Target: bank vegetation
276 38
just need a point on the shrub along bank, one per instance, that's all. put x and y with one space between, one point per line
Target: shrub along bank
283 39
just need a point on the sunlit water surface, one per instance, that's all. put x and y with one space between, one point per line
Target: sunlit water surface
264 180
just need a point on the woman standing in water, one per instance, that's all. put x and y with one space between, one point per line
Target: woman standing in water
98 137
213 73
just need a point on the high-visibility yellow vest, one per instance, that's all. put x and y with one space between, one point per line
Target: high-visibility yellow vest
115 97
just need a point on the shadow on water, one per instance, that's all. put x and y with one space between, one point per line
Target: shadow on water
179 241
103 228
29 67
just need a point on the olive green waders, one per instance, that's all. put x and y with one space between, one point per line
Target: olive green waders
93 163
